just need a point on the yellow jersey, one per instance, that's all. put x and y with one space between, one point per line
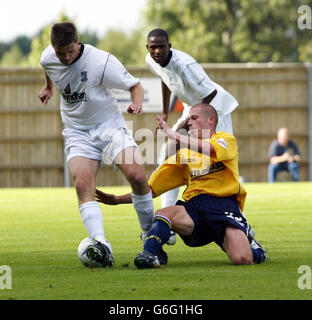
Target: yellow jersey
216 175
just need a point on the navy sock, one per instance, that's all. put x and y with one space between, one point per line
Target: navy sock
158 235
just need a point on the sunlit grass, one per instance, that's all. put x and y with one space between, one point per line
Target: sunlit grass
40 230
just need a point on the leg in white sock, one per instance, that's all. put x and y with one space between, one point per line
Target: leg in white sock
92 218
144 206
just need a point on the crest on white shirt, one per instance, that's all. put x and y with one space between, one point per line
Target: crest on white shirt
83 76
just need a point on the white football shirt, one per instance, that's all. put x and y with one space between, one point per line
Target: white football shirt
85 85
187 79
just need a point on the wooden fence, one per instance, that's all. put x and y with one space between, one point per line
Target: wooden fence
270 96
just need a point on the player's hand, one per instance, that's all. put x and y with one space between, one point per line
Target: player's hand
135 109
165 128
45 94
105 198
164 117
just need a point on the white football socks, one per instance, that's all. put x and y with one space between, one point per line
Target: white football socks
144 206
92 218
170 198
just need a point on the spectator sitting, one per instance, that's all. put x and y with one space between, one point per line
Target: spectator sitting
284 156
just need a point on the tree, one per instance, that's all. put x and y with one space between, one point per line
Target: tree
38 44
88 37
13 57
4 46
129 49
19 46
232 30
24 44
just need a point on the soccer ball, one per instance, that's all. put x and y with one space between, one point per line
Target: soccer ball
82 248
173 238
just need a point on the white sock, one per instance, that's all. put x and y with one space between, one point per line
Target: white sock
144 206
92 218
170 198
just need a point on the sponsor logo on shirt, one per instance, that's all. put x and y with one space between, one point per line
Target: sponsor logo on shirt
214 167
74 97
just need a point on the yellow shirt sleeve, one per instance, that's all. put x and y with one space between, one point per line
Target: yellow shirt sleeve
170 175
225 146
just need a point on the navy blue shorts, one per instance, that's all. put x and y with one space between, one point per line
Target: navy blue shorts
211 216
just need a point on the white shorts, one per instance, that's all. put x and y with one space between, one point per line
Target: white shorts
102 143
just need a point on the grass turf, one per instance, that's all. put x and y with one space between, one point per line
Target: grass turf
40 230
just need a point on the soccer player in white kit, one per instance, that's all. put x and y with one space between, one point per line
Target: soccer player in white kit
94 128
182 76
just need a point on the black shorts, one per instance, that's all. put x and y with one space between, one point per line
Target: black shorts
211 216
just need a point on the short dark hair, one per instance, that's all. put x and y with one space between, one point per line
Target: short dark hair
63 34
158 33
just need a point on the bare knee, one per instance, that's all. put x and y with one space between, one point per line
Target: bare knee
180 220
166 212
241 259
82 188
237 246
138 181
85 187
83 172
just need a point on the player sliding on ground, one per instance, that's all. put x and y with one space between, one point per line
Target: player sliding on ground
207 163
182 76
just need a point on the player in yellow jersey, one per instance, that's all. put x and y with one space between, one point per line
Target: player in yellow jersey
207 163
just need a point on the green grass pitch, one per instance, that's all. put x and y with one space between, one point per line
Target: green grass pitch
40 230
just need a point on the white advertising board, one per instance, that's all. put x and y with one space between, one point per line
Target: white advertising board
152 96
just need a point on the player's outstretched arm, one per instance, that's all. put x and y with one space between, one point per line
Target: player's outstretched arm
111 199
195 144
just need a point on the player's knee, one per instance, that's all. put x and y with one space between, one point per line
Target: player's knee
180 220
137 179
166 212
242 259
82 188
